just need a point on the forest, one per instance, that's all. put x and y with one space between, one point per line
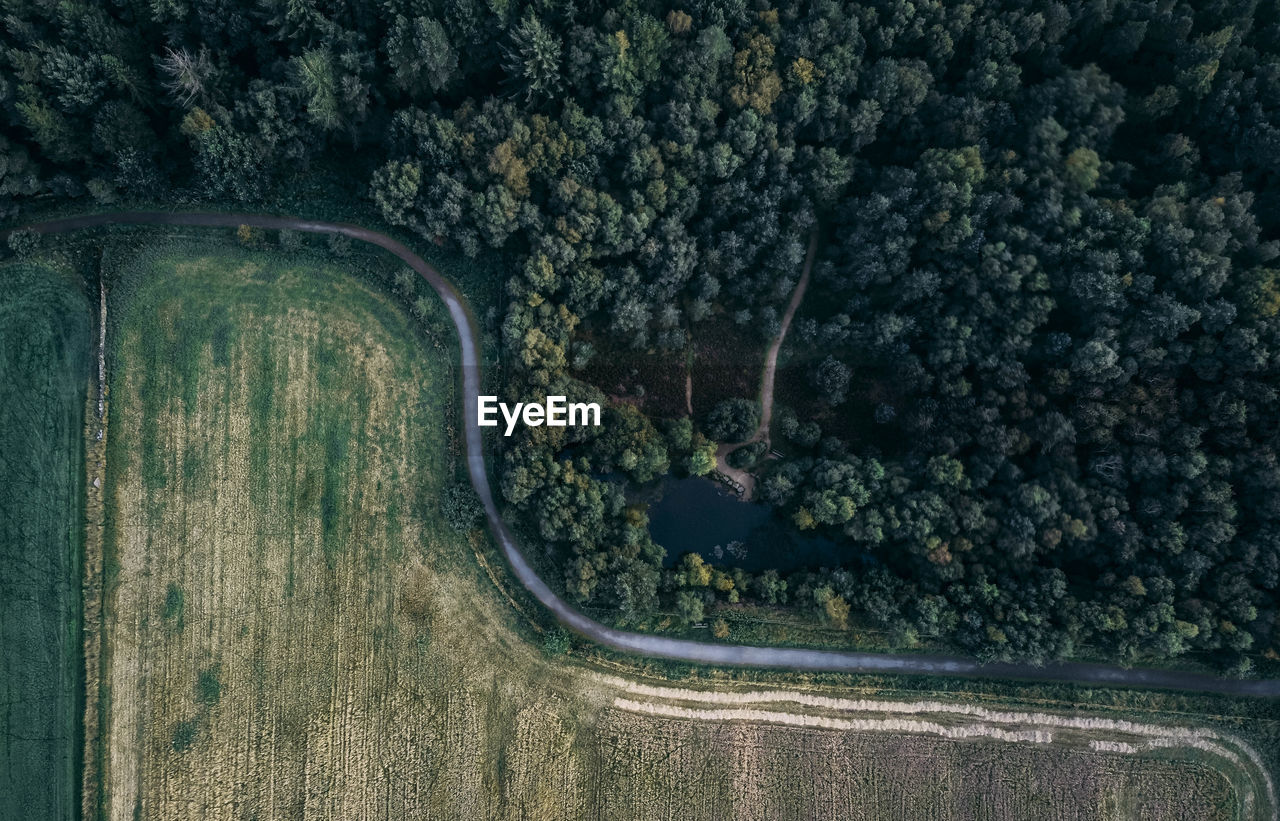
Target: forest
1046 289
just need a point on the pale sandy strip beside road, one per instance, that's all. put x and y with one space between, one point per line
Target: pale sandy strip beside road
864 725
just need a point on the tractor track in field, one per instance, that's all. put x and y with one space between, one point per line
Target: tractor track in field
792 658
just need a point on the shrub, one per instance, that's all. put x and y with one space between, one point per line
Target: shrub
556 642
831 379
24 243
249 236
289 240
461 508
746 456
733 420
339 245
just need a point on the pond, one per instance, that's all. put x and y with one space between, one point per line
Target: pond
704 517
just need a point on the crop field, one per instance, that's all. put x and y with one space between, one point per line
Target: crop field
744 771
753 754
44 372
292 631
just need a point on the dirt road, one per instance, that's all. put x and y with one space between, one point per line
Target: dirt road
643 644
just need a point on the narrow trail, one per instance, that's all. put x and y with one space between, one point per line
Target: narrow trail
791 658
738 475
771 358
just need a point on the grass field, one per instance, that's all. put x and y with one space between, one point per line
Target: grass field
44 371
292 631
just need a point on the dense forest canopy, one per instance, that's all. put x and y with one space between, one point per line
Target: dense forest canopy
1047 276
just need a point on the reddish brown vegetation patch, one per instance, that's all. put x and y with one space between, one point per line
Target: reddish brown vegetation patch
727 363
653 380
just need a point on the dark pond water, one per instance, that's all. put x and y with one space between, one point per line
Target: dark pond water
702 516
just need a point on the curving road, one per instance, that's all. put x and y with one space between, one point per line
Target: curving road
638 643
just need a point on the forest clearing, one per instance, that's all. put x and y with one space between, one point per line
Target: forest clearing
292 629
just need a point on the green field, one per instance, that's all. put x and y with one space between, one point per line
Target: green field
44 371
291 630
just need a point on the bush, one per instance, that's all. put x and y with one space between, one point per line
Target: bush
289 240
249 236
556 642
703 459
807 435
733 420
24 243
461 508
746 456
339 245
831 379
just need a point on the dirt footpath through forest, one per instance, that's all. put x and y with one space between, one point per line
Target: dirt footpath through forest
742 477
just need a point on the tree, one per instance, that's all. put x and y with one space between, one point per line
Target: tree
747 455
395 190
702 460
733 420
24 243
188 76
689 606
421 56
831 378
835 610
532 59
229 165
461 508
19 177
694 571
315 80
757 83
